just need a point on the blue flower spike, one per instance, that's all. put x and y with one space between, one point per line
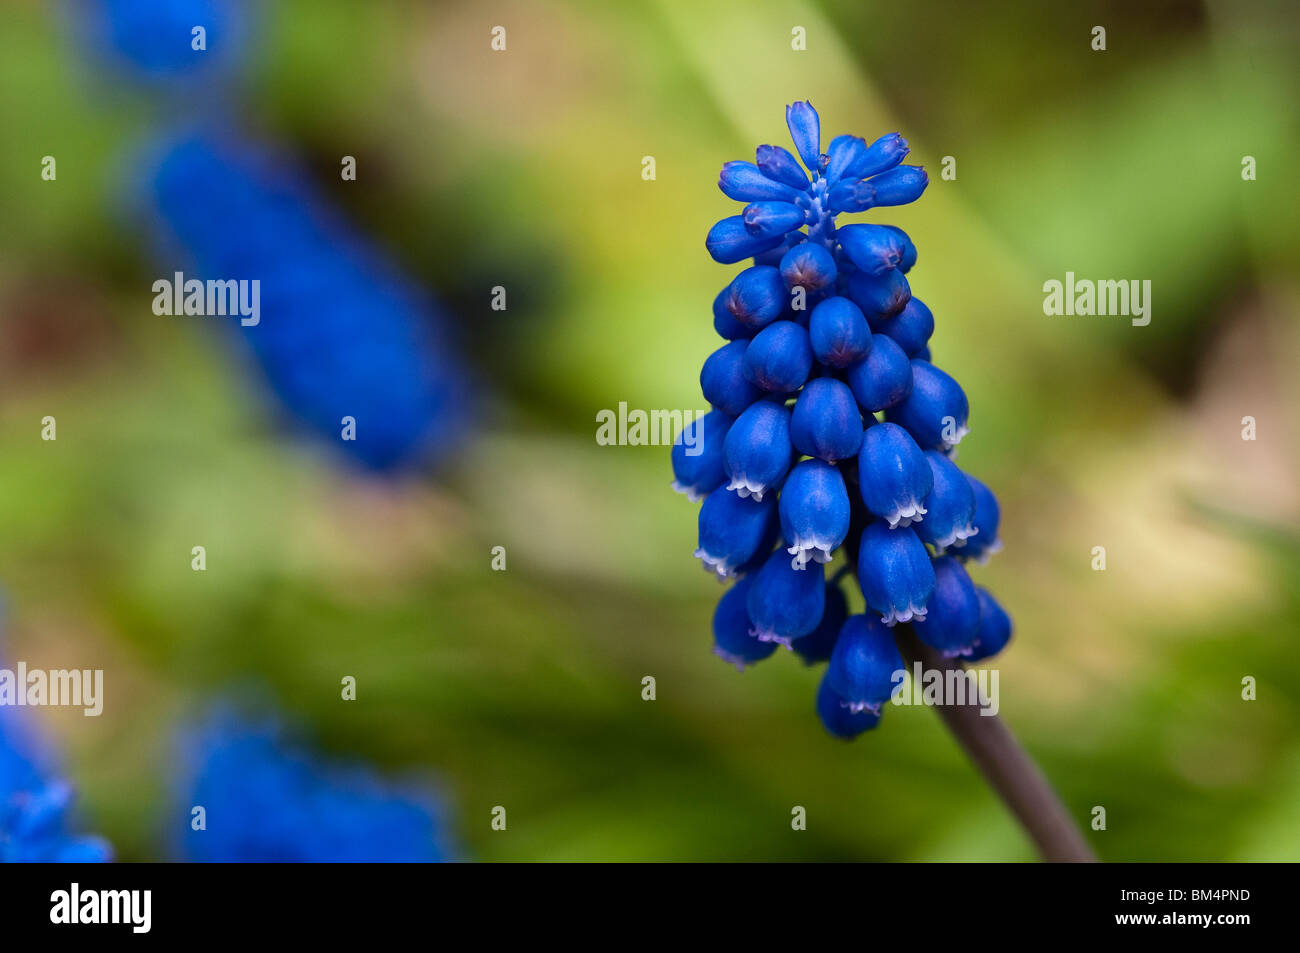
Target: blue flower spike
831 407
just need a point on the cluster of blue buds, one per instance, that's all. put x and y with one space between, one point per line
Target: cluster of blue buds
265 800
35 804
831 429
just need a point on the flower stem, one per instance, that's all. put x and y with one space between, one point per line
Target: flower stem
1005 765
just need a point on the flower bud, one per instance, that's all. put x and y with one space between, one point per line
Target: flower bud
901 185
910 328
757 296
729 241
723 380
935 412
732 529
950 507
894 571
805 130
699 474
952 617
779 358
880 298
864 663
814 511
875 249
839 333
835 714
786 603
778 164
884 378
825 422
731 639
985 542
746 182
810 266
994 630
772 218
757 450
894 477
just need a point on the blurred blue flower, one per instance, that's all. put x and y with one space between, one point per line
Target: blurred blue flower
265 799
161 42
341 334
35 804
825 318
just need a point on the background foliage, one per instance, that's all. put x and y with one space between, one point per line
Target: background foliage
522 169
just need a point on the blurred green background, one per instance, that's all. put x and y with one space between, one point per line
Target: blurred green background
523 169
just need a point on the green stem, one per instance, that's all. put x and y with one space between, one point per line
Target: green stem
1005 765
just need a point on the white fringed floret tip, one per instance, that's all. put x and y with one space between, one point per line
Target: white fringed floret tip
956 539
906 515
802 551
765 636
746 489
689 492
730 659
904 615
714 565
858 707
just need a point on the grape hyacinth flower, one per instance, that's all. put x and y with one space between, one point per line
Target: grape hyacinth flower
342 340
35 804
826 400
265 800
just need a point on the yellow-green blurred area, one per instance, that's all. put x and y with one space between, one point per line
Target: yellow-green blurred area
523 169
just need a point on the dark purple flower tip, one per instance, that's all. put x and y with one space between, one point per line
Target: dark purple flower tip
778 164
810 266
757 296
729 241
900 186
881 297
910 328
883 378
995 627
806 132
882 155
851 196
875 249
745 182
839 333
772 218
725 323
